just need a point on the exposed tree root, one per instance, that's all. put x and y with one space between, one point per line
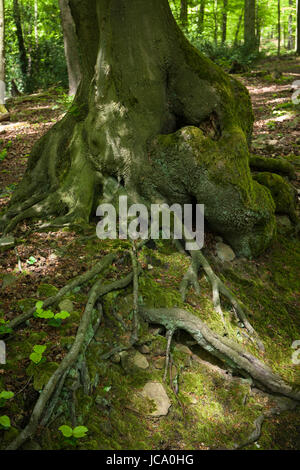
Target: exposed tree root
191 277
227 351
172 319
77 281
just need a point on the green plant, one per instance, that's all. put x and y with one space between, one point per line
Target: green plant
4 329
4 422
54 319
72 435
37 355
4 396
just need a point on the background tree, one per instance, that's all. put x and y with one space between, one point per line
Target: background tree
71 46
2 59
249 26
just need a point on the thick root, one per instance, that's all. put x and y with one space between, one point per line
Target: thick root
227 351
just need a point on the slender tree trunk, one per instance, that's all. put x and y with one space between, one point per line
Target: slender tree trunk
224 21
201 16
36 33
258 27
22 49
249 26
184 12
298 28
215 14
2 58
237 31
290 44
71 46
278 28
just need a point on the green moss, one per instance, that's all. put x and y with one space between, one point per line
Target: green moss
217 175
282 193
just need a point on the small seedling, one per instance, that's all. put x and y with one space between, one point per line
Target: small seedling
4 329
4 422
31 260
72 435
37 355
4 396
54 319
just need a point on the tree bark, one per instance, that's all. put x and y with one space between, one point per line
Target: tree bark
2 59
224 21
154 114
278 28
249 26
22 49
201 16
237 31
71 46
184 12
298 28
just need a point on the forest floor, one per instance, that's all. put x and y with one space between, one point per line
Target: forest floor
211 409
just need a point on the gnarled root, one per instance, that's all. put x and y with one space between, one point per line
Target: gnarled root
218 287
227 351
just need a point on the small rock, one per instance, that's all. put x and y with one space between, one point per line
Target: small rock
8 280
155 331
183 348
144 349
140 361
116 358
156 392
224 252
67 305
160 363
7 242
133 360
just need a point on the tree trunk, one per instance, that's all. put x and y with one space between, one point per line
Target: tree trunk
278 28
71 46
155 115
298 28
290 44
201 16
184 12
215 15
2 59
237 31
36 34
22 49
249 26
224 21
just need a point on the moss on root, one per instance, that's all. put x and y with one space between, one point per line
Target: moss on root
282 193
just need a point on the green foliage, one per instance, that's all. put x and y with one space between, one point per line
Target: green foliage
4 396
72 435
4 422
37 355
54 319
4 329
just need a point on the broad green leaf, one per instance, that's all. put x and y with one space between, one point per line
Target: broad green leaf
35 357
6 395
79 431
66 430
62 315
39 305
39 348
5 421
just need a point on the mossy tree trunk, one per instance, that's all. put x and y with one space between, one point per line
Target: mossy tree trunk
157 116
